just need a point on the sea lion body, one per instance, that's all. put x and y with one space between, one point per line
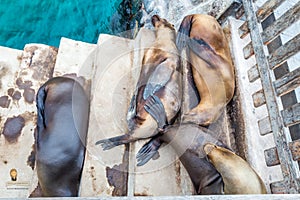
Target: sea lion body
159 75
188 140
63 110
238 176
212 69
160 68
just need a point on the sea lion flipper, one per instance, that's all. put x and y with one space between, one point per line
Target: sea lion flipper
156 109
148 151
132 109
40 104
204 51
158 79
114 141
184 32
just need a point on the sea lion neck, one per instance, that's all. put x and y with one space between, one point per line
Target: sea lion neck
165 34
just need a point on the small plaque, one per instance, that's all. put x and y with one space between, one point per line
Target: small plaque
17 185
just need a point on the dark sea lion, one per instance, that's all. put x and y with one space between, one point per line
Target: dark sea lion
213 73
228 173
238 176
159 75
187 140
63 113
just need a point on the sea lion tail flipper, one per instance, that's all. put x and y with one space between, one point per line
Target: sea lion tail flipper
114 141
156 109
149 150
184 32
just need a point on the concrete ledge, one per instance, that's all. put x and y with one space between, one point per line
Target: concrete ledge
204 197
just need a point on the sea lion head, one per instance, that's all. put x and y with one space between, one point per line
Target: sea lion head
213 151
238 176
158 22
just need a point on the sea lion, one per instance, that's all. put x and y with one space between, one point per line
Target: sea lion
160 75
63 112
187 140
212 70
227 173
237 174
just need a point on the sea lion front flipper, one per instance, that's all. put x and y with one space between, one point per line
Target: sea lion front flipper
40 104
131 113
156 109
158 79
148 150
184 32
114 141
205 52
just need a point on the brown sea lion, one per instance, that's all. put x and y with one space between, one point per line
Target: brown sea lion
160 76
63 113
237 174
213 73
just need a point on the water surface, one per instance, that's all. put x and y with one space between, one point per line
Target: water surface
46 21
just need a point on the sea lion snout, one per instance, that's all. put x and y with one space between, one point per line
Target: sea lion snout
209 147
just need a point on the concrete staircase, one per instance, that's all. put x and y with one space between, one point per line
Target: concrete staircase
110 69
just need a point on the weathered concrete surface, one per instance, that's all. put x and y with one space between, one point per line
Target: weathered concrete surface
197 197
22 73
75 57
109 100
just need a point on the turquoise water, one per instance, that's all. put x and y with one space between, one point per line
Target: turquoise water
46 21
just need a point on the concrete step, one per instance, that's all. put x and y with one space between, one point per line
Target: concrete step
22 73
